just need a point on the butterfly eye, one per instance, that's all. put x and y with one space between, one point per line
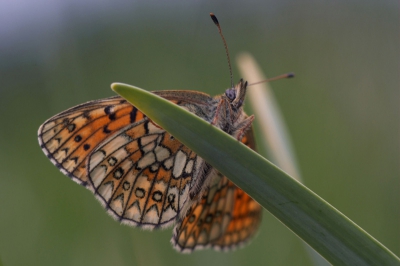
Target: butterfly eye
231 94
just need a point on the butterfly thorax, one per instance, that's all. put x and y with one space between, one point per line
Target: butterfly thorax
229 115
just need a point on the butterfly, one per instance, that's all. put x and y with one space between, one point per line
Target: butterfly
146 178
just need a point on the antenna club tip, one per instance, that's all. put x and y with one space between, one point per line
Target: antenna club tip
214 18
290 75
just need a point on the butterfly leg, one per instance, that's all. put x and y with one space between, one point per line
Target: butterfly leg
243 127
218 113
204 172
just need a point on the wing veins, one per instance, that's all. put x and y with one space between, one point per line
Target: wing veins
130 193
224 208
87 107
164 201
82 142
147 198
117 134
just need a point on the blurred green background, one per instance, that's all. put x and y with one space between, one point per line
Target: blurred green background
342 110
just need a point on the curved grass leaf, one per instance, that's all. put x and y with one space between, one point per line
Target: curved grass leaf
323 227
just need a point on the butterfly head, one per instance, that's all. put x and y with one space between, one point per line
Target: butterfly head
237 94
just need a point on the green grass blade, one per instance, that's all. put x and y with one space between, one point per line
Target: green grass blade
324 228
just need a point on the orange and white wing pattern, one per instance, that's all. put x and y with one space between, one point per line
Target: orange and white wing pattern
225 218
138 171
142 175
68 138
246 218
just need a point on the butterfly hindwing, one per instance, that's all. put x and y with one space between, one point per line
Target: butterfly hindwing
225 218
246 218
207 219
142 175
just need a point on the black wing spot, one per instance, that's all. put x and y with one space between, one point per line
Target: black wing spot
86 147
112 116
118 173
112 161
132 115
146 128
157 196
106 130
107 109
78 138
126 185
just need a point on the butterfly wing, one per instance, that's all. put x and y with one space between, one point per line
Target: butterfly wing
142 175
207 219
244 223
225 218
94 142
69 137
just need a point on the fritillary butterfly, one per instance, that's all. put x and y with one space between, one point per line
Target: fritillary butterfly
145 177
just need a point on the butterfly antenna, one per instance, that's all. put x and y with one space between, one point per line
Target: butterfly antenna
283 76
215 20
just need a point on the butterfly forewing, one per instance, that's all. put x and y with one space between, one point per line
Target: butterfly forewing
69 137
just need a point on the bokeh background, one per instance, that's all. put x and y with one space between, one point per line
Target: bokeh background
342 111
